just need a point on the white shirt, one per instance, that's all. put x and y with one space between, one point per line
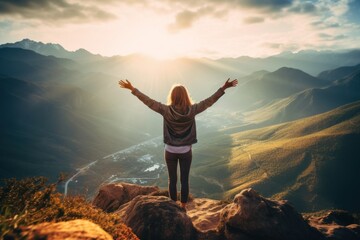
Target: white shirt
177 149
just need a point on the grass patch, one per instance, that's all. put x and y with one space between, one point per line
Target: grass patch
33 200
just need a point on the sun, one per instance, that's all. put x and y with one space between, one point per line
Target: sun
147 34
163 45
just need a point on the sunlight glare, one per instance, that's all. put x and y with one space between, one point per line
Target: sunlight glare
161 45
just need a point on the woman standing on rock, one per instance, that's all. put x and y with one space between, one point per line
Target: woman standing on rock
179 130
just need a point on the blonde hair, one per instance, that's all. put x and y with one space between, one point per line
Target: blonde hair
179 97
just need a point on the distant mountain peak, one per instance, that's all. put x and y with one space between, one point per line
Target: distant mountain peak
288 71
282 69
26 40
51 49
29 44
338 73
82 50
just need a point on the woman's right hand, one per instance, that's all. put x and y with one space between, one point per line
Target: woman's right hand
126 84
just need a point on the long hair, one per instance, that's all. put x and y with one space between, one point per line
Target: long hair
179 98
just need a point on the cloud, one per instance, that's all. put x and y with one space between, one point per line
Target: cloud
273 45
324 35
185 19
267 6
324 25
261 5
188 16
340 37
328 37
282 46
303 7
52 10
252 20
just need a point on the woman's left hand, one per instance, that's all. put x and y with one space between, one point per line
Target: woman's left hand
126 84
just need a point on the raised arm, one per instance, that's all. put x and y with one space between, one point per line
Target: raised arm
152 104
203 105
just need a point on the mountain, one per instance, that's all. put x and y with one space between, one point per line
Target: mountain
313 60
264 87
338 73
51 49
307 103
44 134
311 161
310 61
286 81
26 64
55 116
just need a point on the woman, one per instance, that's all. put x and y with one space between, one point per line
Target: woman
179 130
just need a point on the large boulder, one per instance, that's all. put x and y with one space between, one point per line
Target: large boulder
336 225
157 217
111 196
252 217
75 229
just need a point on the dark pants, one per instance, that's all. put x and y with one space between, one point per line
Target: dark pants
184 160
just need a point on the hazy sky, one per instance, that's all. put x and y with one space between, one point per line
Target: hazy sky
171 28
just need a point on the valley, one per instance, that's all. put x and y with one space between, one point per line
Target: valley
286 161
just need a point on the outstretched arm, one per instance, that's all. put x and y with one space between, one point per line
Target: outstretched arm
152 104
203 105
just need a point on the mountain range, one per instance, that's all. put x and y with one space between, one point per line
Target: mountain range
311 161
62 110
50 49
307 102
310 61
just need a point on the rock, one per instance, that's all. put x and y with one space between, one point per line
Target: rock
355 228
152 215
209 235
336 225
251 217
205 216
157 217
339 217
75 229
110 197
205 213
341 233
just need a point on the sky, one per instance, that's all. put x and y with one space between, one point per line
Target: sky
191 28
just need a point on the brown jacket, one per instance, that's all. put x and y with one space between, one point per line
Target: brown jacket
179 129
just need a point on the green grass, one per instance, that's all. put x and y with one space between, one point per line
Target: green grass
312 161
308 161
